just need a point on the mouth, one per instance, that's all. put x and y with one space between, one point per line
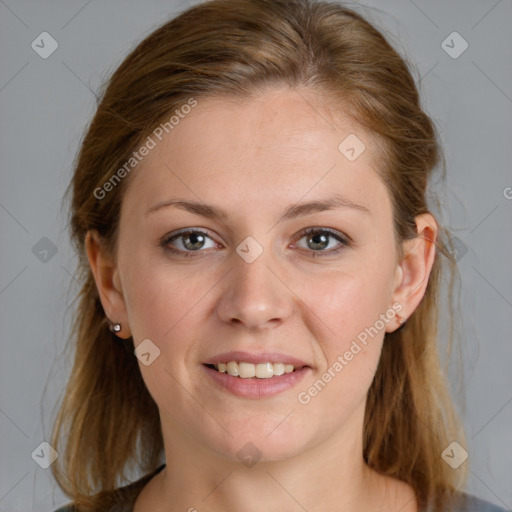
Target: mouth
255 376
246 370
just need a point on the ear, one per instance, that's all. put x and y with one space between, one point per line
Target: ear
108 283
413 271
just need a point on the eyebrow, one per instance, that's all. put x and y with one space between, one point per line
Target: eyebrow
291 212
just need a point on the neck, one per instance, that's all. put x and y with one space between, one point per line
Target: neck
328 476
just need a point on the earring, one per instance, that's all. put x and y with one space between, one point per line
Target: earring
115 327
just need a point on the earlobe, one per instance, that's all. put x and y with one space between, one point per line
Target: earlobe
414 269
106 276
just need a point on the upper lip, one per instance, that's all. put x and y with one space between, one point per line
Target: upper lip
247 357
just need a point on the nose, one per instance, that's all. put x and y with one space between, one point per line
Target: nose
254 295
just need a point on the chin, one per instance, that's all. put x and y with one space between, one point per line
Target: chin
261 441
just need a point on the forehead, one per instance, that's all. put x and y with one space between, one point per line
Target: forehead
274 120
281 144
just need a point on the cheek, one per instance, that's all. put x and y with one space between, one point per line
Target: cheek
344 309
161 298
344 314
344 302
163 305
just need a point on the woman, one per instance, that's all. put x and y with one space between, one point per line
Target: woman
261 275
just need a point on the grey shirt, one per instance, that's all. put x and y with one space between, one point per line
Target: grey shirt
126 496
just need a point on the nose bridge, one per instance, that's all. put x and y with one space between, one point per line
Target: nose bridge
253 294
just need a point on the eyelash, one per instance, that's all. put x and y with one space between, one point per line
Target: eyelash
344 242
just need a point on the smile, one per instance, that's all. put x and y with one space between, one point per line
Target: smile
246 370
255 381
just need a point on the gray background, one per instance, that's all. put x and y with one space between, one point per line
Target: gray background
44 107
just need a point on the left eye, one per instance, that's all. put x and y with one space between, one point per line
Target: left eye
318 240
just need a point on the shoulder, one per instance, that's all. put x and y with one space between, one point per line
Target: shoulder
123 498
468 503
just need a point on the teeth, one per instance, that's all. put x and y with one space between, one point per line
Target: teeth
232 368
278 368
246 370
249 370
264 370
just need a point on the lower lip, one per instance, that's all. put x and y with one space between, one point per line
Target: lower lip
254 387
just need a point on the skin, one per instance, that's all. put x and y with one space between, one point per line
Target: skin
254 159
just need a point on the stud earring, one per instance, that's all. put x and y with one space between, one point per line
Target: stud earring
115 327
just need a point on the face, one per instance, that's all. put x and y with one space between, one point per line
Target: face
251 274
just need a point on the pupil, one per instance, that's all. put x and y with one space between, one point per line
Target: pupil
319 239
195 238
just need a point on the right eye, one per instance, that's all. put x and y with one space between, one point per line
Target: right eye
185 243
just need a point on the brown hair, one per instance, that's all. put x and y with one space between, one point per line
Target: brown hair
108 419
